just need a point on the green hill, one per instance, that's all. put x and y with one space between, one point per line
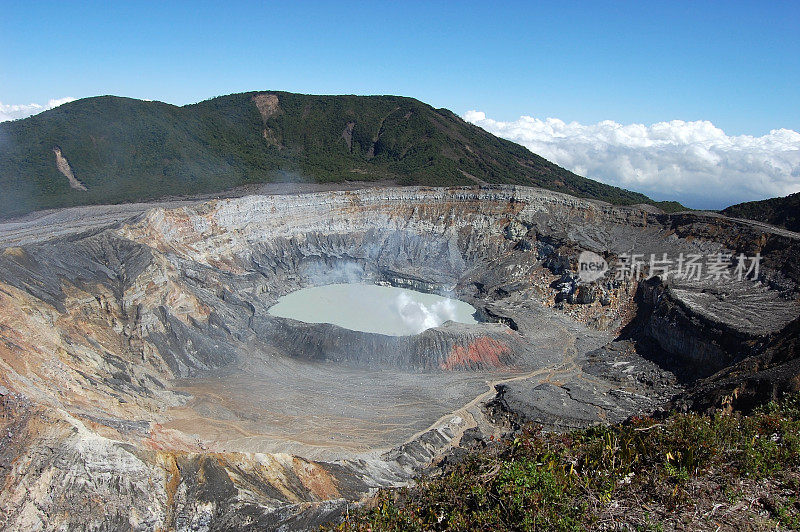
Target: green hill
783 212
121 149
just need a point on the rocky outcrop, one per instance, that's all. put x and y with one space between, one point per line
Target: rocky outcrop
765 375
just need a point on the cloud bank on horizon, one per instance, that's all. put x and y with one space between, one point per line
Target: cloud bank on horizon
17 111
692 162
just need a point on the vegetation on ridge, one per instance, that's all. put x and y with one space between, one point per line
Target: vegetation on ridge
126 150
688 471
783 212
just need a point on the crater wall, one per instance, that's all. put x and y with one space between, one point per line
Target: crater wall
139 365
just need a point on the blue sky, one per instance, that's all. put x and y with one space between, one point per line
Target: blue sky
735 64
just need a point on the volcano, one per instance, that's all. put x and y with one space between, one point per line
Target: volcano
146 384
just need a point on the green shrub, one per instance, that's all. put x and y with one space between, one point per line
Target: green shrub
550 481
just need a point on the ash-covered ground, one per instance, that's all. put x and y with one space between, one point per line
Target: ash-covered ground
145 384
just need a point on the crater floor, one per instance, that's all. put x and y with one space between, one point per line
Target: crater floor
328 410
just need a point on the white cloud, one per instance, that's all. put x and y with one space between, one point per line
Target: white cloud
16 111
59 101
693 162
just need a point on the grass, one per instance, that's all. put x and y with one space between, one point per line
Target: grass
691 470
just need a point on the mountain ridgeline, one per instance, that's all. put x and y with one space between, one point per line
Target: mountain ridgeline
109 149
783 212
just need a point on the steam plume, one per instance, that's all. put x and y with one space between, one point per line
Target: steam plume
419 317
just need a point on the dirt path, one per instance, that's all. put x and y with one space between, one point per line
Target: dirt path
471 412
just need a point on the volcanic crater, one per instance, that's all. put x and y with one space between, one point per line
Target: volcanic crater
146 382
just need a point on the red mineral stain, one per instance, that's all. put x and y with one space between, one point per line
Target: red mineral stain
484 352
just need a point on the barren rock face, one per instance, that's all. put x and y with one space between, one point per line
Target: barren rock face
63 166
267 105
141 370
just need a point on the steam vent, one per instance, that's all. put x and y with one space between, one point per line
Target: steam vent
147 384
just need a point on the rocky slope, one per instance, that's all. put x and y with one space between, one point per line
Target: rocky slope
145 385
